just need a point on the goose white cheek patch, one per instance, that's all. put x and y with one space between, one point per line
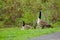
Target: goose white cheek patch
38 21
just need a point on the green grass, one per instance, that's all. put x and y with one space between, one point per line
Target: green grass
17 34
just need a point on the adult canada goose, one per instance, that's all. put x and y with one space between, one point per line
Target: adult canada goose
25 27
42 23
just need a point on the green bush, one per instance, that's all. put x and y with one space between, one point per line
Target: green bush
14 11
0 4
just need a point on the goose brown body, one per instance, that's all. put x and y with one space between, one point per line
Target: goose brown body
26 27
45 24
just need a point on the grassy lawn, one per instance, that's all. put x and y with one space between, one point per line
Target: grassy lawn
17 34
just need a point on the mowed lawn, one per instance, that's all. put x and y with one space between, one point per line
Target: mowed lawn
17 34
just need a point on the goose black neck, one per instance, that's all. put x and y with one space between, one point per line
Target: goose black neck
40 15
23 23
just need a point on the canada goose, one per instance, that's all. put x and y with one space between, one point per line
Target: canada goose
42 23
25 27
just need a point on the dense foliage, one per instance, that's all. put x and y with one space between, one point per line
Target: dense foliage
12 12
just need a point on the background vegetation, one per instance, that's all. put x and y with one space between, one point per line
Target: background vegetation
12 12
